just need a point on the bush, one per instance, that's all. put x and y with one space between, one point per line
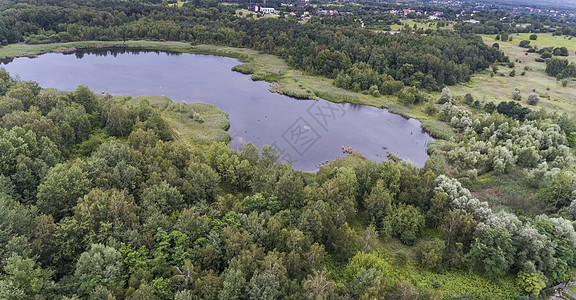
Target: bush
406 222
524 43
533 37
516 94
546 55
560 51
446 96
490 107
411 95
468 99
430 109
430 254
374 91
533 99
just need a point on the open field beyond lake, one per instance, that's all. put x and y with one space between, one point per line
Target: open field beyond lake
499 87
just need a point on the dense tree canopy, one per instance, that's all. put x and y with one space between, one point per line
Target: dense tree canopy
98 199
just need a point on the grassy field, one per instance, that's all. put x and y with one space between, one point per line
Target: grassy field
498 88
508 191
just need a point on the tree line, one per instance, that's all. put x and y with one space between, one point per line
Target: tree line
423 60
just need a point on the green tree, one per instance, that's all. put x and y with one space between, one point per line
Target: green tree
9 291
25 276
492 251
345 242
468 99
86 98
100 265
100 209
193 222
524 44
184 295
531 283
233 283
560 51
62 187
406 222
561 233
318 287
24 91
71 239
144 292
368 284
431 254
162 287
456 229
378 203
446 96
263 286
161 198
101 293
558 192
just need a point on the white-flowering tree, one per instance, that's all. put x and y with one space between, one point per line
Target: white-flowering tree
460 197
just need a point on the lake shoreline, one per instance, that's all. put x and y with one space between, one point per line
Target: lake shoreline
261 66
256 115
284 80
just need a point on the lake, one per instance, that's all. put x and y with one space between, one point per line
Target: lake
305 132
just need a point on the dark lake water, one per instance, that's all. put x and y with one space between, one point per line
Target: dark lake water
306 132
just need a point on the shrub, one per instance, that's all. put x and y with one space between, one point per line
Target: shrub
533 99
446 96
516 94
430 109
524 43
374 91
430 254
406 222
468 99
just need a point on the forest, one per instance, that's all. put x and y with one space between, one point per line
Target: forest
99 199
386 61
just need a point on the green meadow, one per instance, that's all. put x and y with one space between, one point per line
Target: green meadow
498 87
